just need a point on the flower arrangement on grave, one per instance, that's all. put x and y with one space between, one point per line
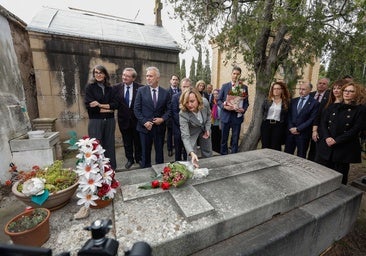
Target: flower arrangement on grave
174 174
96 176
40 183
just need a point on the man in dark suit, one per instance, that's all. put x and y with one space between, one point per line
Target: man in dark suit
302 113
173 90
231 117
152 110
321 95
125 93
180 152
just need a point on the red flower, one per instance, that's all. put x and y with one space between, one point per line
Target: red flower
166 170
102 191
155 184
115 184
165 185
8 182
36 168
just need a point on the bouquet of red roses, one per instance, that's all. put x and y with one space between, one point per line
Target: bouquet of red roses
174 174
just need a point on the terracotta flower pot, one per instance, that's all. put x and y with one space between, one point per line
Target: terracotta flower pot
101 203
54 201
36 236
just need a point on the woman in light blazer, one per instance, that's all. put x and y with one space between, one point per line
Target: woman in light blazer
195 124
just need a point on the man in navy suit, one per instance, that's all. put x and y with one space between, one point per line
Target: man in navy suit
125 93
302 113
321 95
173 90
180 152
231 117
152 110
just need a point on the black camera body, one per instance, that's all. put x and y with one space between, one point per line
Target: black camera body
99 244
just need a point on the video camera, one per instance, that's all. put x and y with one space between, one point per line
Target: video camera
99 244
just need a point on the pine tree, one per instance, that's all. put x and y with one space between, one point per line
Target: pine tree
207 69
199 70
183 72
192 72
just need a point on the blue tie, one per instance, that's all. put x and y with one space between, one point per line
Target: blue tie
127 96
154 97
301 103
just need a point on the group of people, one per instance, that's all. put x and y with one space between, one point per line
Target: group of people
197 120
185 115
324 126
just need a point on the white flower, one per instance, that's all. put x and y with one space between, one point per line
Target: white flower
100 150
111 192
92 183
85 169
86 143
86 198
107 177
33 186
89 155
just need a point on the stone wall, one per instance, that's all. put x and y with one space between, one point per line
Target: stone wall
63 67
16 66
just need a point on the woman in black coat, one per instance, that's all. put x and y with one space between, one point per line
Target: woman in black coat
275 110
340 126
100 104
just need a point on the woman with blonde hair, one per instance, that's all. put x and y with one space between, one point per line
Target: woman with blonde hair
275 112
201 87
195 124
340 126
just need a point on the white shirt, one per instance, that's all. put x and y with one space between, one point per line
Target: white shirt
198 115
274 111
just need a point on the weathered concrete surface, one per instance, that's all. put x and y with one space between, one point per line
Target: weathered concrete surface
29 152
244 190
306 230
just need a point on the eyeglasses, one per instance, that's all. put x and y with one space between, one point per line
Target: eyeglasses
98 73
348 91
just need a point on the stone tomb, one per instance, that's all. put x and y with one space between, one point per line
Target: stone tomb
261 202
267 198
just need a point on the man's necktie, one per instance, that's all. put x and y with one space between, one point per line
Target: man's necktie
154 97
127 96
318 97
301 103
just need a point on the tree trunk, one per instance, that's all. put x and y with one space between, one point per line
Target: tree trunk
251 137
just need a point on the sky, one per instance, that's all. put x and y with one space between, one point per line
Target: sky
138 10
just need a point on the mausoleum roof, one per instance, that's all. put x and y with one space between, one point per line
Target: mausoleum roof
84 24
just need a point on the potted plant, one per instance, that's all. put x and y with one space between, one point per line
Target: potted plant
31 227
50 187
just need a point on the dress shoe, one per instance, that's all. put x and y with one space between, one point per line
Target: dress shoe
170 153
128 164
140 163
